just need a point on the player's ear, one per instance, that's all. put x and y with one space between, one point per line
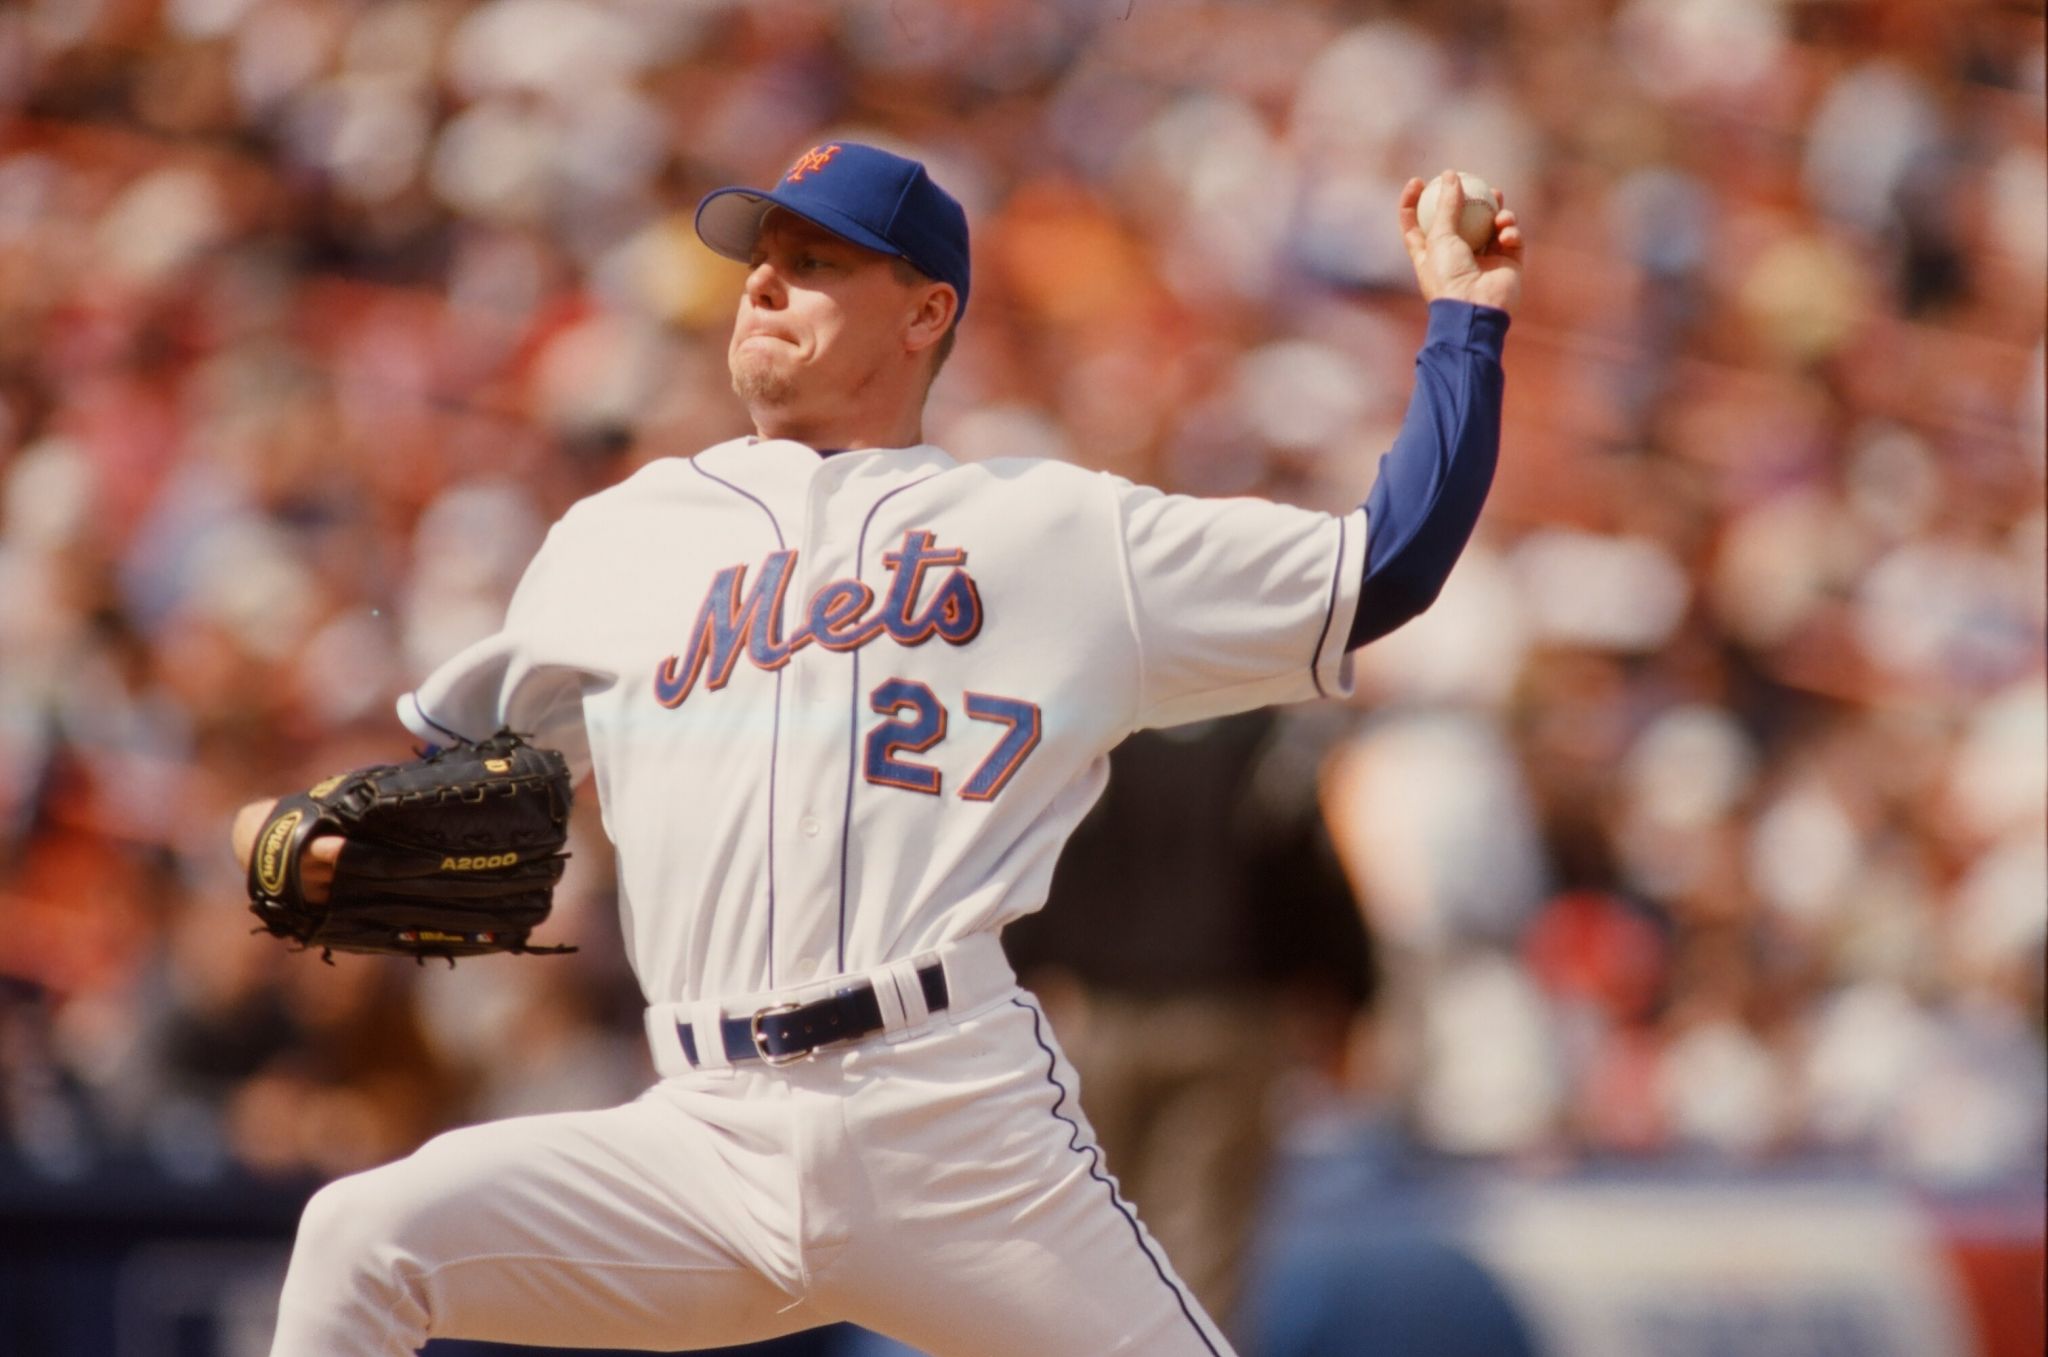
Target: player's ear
935 306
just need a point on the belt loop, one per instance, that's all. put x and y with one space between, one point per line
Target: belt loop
710 1041
889 999
977 970
664 1039
902 978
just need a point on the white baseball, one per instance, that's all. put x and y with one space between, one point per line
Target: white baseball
1475 222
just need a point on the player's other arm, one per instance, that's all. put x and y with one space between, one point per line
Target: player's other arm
490 685
1431 485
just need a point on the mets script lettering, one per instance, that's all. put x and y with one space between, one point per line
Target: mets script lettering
740 620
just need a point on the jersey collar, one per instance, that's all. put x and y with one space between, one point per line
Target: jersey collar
752 461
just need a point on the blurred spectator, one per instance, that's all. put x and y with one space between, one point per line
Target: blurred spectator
1199 945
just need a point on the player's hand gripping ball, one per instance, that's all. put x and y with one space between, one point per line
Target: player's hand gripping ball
1448 266
454 854
1475 219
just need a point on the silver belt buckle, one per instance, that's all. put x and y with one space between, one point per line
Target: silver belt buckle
754 1030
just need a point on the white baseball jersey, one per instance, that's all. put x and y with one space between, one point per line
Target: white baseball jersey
841 709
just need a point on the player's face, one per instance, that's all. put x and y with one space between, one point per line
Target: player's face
821 323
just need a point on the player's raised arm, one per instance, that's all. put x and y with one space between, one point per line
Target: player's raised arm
1432 483
1447 268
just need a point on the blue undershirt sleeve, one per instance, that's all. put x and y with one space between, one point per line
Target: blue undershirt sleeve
1431 484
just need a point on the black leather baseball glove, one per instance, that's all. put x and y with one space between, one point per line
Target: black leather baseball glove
454 854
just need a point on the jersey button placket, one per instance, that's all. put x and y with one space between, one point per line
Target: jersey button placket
807 934
794 904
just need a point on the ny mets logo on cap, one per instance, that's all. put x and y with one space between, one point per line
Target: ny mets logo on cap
877 199
817 158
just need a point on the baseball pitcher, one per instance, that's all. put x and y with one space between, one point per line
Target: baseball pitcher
841 699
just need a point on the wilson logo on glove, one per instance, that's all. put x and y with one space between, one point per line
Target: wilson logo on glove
270 854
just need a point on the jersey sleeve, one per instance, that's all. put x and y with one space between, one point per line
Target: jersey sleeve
1433 483
510 680
1236 603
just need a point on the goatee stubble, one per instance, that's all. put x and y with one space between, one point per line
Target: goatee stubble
758 380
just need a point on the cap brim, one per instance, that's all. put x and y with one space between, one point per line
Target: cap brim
729 222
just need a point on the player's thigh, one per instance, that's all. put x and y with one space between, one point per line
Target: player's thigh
1088 1294
616 1228
1008 1237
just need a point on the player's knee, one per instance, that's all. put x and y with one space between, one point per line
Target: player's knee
352 1271
349 1221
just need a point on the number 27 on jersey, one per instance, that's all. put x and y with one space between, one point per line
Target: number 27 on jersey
917 721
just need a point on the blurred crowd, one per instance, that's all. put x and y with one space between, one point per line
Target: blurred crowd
1703 816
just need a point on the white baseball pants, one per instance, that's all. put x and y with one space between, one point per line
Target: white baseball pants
939 1186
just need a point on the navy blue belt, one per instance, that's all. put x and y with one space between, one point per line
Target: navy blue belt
785 1033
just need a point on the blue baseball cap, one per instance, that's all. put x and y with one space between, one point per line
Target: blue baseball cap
884 202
